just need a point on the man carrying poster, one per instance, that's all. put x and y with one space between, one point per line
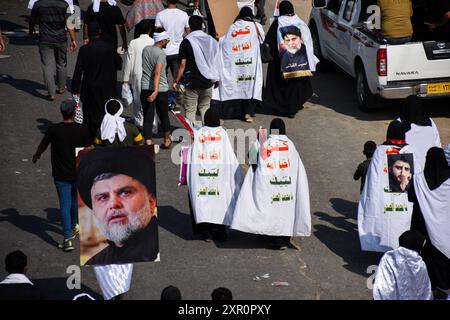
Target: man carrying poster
118 184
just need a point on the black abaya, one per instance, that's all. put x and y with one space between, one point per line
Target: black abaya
284 96
95 79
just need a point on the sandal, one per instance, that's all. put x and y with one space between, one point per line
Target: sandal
248 118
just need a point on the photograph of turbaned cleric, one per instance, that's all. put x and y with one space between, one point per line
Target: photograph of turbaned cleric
400 170
117 209
293 56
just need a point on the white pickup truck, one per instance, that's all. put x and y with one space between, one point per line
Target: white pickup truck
340 35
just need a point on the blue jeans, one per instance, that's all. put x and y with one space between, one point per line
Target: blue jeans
68 205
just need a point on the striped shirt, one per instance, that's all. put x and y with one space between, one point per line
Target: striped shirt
51 16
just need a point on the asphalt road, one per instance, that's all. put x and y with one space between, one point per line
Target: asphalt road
329 134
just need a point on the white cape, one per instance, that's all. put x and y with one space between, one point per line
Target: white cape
240 65
382 216
114 279
206 52
435 207
274 200
402 275
421 139
294 20
213 176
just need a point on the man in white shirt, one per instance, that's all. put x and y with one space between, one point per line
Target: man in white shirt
175 22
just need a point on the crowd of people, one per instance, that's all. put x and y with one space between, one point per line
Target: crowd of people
405 181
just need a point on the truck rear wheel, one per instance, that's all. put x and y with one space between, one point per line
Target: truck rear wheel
366 100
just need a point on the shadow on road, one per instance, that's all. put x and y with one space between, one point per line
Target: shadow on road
343 239
335 90
176 222
25 85
32 224
43 124
56 289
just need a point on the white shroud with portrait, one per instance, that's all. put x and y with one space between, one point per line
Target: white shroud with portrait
274 199
213 176
383 215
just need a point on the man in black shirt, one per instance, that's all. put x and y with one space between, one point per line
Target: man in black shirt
198 88
51 16
64 137
95 77
118 184
108 17
439 20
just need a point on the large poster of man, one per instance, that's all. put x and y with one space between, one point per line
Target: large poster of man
295 48
117 206
401 170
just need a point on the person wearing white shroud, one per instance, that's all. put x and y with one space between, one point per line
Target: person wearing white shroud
274 198
421 132
213 178
384 211
241 77
430 194
402 274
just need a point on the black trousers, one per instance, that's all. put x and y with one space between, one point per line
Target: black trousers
161 105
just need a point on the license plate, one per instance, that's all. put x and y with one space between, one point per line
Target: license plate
437 88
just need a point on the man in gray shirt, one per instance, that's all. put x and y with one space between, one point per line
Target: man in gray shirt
51 16
154 94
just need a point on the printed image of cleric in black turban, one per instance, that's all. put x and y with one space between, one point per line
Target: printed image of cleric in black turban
118 185
401 170
293 55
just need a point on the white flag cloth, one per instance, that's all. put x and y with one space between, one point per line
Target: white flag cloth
285 21
383 215
241 73
69 2
113 124
96 6
402 275
114 279
206 52
274 200
421 139
16 278
213 176
435 207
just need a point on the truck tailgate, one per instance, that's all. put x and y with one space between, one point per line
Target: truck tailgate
411 61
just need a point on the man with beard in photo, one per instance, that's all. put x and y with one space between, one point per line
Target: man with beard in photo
294 57
118 185
400 175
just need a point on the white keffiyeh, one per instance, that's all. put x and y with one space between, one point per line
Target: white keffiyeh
113 124
96 6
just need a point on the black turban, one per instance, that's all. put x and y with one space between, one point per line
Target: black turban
290 30
135 162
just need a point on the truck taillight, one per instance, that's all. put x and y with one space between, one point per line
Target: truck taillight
382 62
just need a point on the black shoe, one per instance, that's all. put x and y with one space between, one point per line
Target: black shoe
291 116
